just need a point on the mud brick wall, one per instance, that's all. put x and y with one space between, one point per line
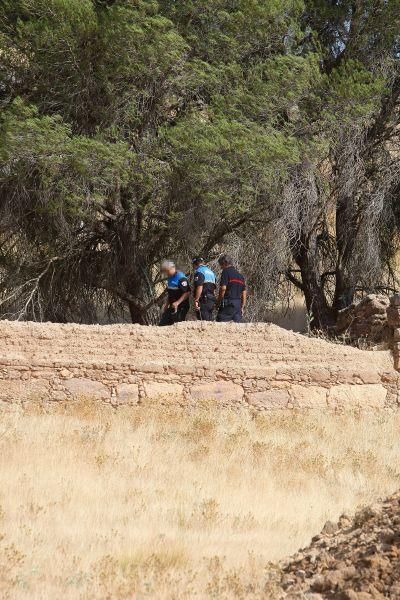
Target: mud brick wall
257 365
393 317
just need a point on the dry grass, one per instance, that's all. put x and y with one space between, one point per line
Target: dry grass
174 504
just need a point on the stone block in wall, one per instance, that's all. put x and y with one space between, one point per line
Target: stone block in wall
395 300
350 397
81 386
345 376
58 396
150 367
366 320
222 391
369 376
393 316
284 374
269 399
260 372
281 385
390 377
126 393
155 389
308 397
17 391
318 374
66 374
14 374
180 369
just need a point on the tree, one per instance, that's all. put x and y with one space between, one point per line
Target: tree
134 130
122 144
338 220
347 197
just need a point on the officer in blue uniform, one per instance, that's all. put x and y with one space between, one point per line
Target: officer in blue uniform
204 289
232 294
176 305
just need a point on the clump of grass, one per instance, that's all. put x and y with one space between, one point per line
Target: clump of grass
176 503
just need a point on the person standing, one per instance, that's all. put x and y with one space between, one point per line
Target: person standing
176 305
204 289
232 294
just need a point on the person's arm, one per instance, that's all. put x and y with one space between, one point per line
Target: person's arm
198 288
180 300
197 295
223 284
185 288
221 294
243 299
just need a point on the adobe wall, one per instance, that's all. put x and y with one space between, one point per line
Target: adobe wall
257 365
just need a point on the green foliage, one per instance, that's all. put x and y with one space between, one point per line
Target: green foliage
229 162
72 172
137 128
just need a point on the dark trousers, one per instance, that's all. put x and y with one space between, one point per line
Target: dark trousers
230 310
169 317
206 309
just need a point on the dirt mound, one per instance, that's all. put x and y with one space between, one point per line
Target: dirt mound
356 559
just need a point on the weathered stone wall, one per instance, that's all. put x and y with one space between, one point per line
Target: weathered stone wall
393 316
374 320
260 365
366 321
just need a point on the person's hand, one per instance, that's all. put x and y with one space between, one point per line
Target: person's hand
174 306
197 305
242 310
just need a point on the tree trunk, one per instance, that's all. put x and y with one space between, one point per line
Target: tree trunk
344 292
346 235
142 300
137 313
320 313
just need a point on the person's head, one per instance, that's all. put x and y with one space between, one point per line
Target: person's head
168 267
197 261
225 261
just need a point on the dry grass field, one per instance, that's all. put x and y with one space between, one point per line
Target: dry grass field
167 503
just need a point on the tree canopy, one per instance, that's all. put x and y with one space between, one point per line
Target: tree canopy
131 130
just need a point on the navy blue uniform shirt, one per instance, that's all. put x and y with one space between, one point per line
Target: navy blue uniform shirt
234 282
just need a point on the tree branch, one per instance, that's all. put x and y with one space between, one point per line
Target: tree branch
296 282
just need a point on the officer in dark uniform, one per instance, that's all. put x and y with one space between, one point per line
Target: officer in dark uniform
204 289
232 292
176 305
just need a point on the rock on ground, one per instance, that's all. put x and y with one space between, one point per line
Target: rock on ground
355 559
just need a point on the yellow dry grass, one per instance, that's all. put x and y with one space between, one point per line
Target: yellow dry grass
168 503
